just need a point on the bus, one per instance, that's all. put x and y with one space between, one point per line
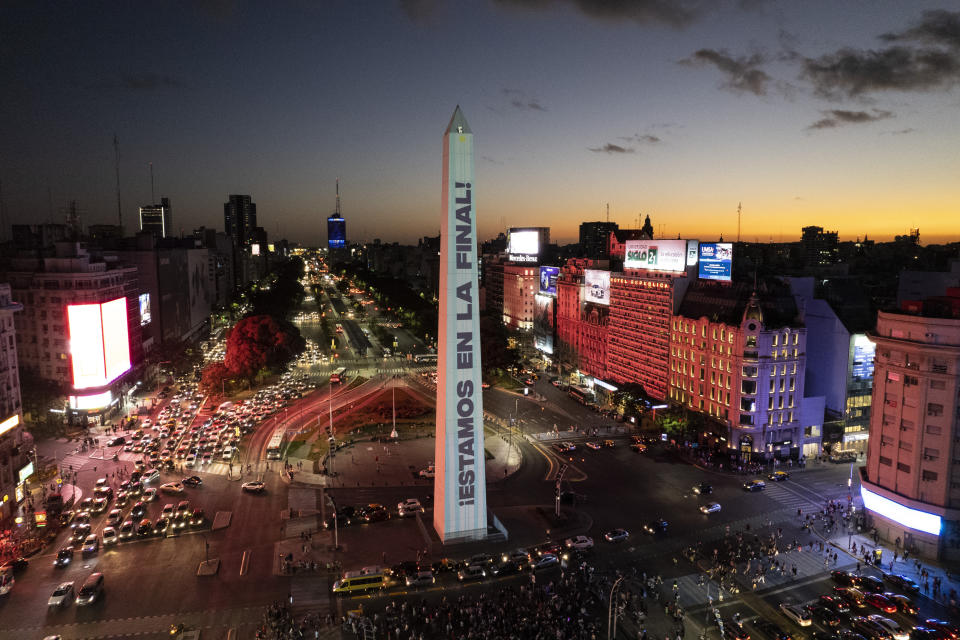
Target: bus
275 446
583 395
366 579
425 357
338 375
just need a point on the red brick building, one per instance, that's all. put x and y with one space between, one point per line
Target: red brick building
582 326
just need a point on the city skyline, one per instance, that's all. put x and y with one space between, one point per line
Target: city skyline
840 117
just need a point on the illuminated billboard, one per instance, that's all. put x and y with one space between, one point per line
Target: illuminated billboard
716 261
524 244
596 286
656 255
144 309
91 402
693 252
9 423
548 280
543 324
99 344
901 514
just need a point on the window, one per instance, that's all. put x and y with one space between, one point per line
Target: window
906 446
796 338
773 386
910 381
934 430
783 384
775 338
793 382
903 467
931 454
751 341
770 402
934 409
937 384
929 476
886 461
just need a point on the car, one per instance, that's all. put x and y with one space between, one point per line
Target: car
838 605
197 518
778 476
703 488
903 582
856 598
64 556
943 627
420 579
17 566
126 529
593 445
507 568
375 513
81 532
114 518
91 544
579 543
256 486
548 548
880 601
733 630
109 535
100 505
796 614
521 556
172 487
62 595
191 461
102 492
869 583
192 481
824 615
710 507
90 590
472 572
770 630
167 511
754 485
893 628
844 578
409 507
638 447
656 527
904 604
609 444
149 495
114 442
139 508
617 535
869 628
161 525
145 528
545 561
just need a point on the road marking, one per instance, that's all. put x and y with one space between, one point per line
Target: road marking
245 562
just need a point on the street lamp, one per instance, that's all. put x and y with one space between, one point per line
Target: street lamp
612 613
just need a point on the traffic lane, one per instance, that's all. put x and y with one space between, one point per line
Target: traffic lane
626 489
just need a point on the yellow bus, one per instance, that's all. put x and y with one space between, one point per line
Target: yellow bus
366 579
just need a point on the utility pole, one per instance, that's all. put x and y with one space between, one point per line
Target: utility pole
739 210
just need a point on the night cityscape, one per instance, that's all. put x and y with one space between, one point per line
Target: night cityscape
677 356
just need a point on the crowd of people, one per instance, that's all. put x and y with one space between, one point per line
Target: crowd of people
280 624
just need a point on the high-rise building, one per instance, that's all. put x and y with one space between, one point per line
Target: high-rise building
911 482
240 219
819 247
15 456
520 283
336 226
582 325
157 219
595 239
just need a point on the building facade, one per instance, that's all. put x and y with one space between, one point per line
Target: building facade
911 481
520 285
240 219
157 219
581 326
15 454
595 239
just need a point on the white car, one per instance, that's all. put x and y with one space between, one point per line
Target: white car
109 535
62 595
171 487
890 626
544 561
710 507
410 504
150 475
253 487
796 614
580 543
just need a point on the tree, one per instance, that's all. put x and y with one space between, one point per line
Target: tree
213 378
259 342
493 343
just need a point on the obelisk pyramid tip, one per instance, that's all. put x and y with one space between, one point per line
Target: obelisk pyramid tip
458 123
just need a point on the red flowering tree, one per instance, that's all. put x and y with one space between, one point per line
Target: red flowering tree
261 342
213 377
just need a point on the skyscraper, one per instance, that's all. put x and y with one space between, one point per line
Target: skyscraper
594 239
240 219
336 226
157 218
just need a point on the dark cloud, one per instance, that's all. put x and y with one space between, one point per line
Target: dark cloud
641 138
519 100
901 131
143 81
839 117
419 10
852 72
612 148
743 74
675 13
937 27
490 160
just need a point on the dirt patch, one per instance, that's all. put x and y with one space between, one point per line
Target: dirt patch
378 409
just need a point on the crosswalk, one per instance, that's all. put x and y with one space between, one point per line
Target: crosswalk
311 592
789 497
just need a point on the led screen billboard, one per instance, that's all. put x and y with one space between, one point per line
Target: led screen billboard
99 344
543 323
656 255
901 514
548 280
596 286
91 402
524 242
145 309
716 261
693 252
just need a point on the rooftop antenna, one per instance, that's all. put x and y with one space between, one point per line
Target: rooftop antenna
153 197
116 153
337 212
608 212
739 207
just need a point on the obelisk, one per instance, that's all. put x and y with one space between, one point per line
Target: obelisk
460 488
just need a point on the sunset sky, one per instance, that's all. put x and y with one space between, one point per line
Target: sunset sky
840 114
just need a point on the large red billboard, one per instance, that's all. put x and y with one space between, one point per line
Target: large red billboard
99 343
